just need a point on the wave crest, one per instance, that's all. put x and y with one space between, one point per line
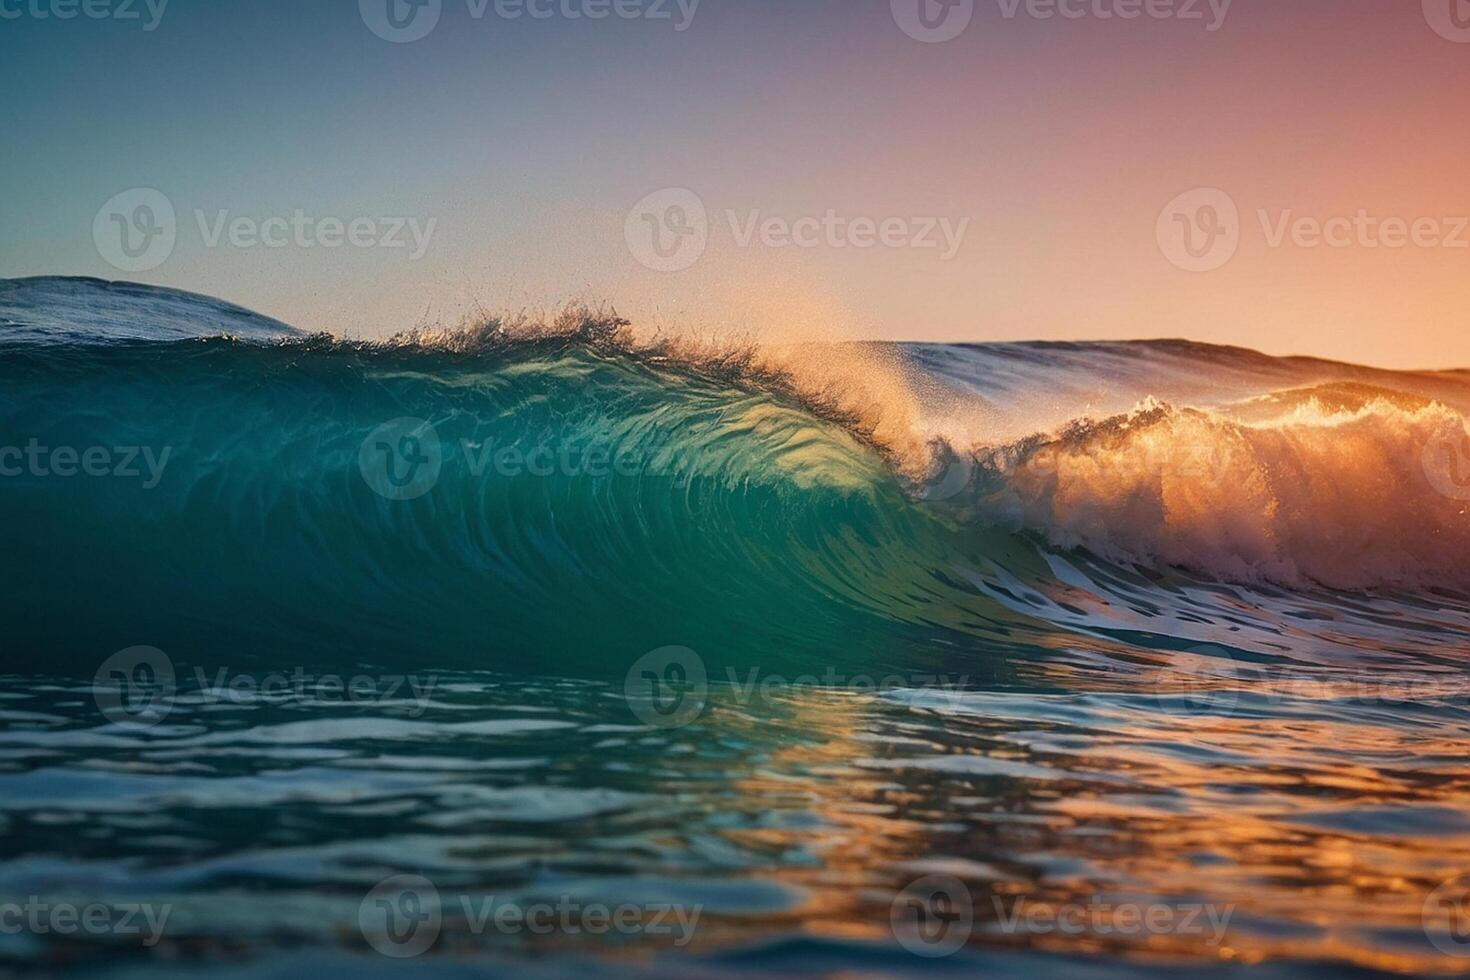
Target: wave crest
1316 473
869 389
1336 492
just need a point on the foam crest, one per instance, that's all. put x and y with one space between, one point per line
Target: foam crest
871 390
1340 492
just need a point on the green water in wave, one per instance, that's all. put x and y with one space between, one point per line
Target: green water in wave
545 504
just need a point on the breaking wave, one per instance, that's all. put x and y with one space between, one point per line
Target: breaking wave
576 486
1337 488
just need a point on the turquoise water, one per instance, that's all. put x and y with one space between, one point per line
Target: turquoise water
557 653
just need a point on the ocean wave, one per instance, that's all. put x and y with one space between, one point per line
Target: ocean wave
521 495
575 485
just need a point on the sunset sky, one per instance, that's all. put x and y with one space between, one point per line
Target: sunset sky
1055 143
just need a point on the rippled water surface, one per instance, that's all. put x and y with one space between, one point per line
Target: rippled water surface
1303 822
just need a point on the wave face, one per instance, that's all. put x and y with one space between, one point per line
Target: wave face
547 493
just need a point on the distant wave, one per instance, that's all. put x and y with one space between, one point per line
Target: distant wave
67 310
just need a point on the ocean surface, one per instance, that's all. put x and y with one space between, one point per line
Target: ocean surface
547 648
